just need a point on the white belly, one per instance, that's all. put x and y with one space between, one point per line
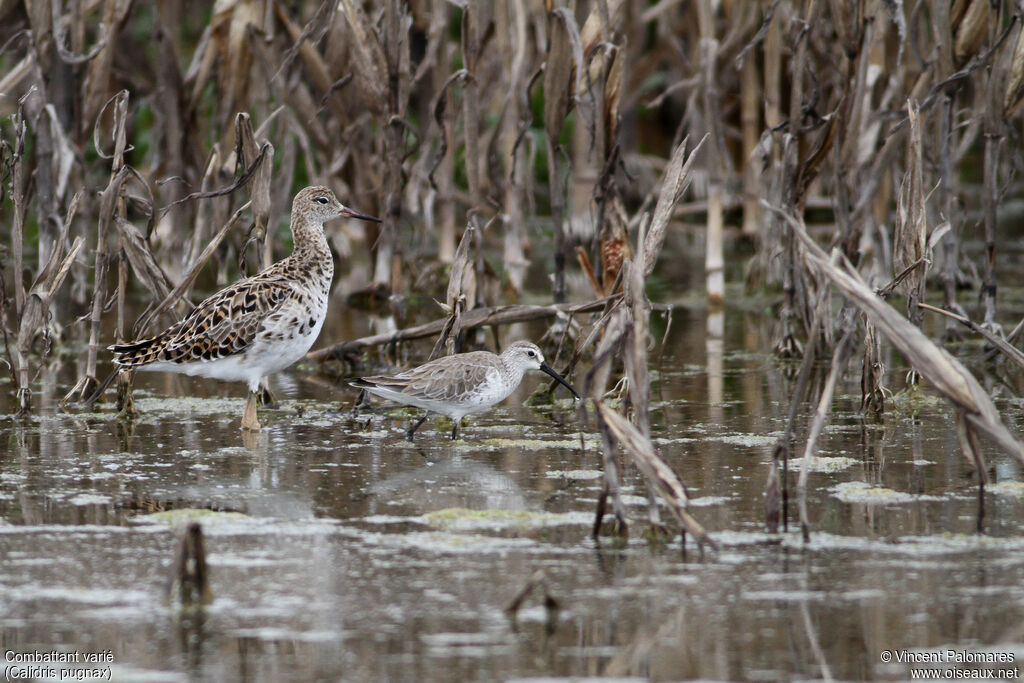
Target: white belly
285 338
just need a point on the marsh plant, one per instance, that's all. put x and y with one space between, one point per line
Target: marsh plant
147 150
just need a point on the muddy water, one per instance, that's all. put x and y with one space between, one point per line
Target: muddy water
338 551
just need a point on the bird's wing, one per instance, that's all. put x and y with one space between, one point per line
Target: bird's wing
440 380
222 325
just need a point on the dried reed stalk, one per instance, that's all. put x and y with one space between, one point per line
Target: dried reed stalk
911 226
344 92
562 72
461 294
840 359
626 335
107 208
396 51
714 259
995 128
608 348
976 411
478 317
35 317
654 470
750 120
247 150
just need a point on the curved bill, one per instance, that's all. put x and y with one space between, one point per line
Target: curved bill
548 369
349 213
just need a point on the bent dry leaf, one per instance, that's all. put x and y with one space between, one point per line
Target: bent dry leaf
673 184
940 368
562 70
654 469
141 258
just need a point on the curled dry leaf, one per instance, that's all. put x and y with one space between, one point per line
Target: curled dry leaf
674 182
140 256
368 62
1015 78
971 30
912 221
562 70
461 282
98 76
654 469
613 254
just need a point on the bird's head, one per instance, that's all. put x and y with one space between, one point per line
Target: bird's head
319 205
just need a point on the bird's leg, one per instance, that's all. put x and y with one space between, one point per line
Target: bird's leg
250 420
267 398
455 429
84 383
412 430
125 402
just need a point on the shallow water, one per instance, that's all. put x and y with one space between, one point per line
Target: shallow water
339 551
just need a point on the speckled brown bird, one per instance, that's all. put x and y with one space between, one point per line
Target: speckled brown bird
258 325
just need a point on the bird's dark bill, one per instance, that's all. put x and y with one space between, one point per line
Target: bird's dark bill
349 213
548 369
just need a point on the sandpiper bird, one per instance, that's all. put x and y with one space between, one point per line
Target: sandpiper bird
461 384
258 325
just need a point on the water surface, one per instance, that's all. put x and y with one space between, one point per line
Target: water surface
339 551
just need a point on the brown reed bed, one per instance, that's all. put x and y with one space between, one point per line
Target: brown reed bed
144 146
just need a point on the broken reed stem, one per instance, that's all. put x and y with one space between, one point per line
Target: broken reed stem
188 279
609 346
635 358
951 242
750 104
1002 345
945 372
88 383
655 471
396 63
190 581
471 101
557 218
774 498
478 317
840 359
995 130
777 496
714 260
19 199
538 580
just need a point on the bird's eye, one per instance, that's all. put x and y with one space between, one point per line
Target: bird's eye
321 200
530 353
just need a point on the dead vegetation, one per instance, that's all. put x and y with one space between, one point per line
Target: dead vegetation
144 146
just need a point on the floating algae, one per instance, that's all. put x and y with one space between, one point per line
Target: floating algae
823 463
589 440
1010 489
185 515
865 493
228 408
573 474
745 439
463 519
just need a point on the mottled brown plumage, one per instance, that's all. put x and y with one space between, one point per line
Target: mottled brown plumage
261 324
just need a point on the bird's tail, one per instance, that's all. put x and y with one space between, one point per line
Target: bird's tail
134 354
